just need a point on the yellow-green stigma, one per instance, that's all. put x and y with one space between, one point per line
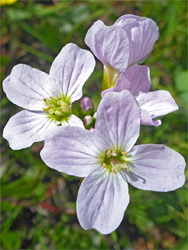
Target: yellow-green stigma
110 76
58 108
115 160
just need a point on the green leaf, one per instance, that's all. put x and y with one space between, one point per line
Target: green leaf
20 190
172 199
45 34
181 81
36 52
11 240
14 15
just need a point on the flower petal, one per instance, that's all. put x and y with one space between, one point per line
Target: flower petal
134 79
118 120
146 119
156 103
70 70
27 87
71 150
109 44
25 128
156 167
142 33
74 121
102 201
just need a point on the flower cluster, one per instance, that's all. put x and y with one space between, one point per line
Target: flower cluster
98 146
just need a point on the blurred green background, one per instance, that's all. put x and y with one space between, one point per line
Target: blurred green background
38 203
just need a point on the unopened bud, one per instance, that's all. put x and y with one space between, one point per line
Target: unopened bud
88 121
95 115
86 105
92 130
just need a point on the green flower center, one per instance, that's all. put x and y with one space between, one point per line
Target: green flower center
115 160
58 108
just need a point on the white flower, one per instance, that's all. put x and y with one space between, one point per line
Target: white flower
109 161
46 98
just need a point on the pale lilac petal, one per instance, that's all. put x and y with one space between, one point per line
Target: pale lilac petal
71 150
74 121
27 87
102 201
129 19
109 44
70 70
142 33
156 103
118 120
156 167
146 119
134 79
25 128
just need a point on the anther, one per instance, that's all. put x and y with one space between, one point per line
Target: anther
48 102
58 113
114 171
124 153
108 153
55 98
117 167
64 108
127 168
51 111
114 153
104 165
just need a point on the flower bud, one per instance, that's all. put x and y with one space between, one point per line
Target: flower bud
88 121
86 106
92 130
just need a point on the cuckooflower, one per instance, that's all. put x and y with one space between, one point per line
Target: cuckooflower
153 104
109 161
46 98
127 42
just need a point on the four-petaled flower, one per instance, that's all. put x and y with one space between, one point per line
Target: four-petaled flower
127 42
46 98
108 159
153 104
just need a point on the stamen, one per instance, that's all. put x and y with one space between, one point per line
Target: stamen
48 102
114 171
118 167
115 161
51 111
104 165
59 109
58 113
114 153
64 108
127 168
124 153
108 153
54 98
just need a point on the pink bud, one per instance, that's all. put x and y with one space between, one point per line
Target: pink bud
86 104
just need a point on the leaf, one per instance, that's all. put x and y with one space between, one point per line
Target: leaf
20 190
181 81
11 239
172 199
46 34
36 52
